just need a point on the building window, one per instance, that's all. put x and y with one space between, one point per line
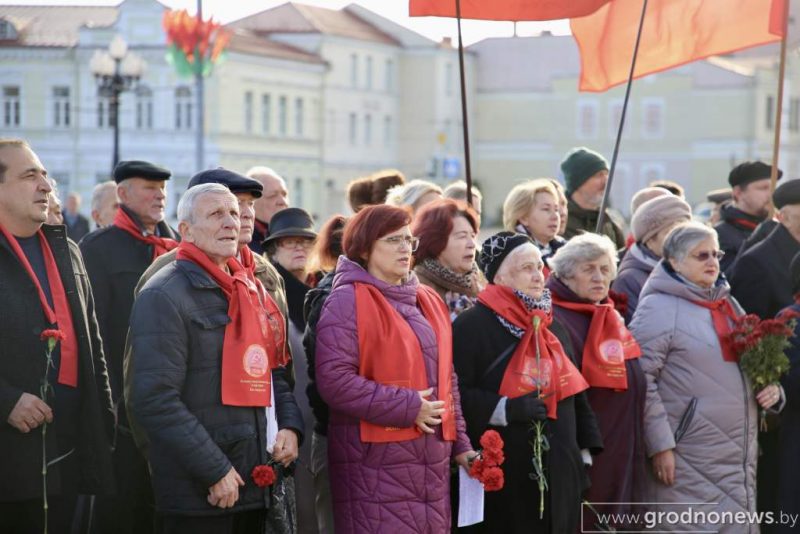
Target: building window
282 111
353 70
614 116
352 129
794 115
367 129
266 114
587 120
144 108
61 110
299 117
183 108
105 117
297 192
652 118
770 112
448 79
387 131
369 72
11 106
248 112
389 75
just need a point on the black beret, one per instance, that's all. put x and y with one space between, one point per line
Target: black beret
232 180
750 171
786 193
140 169
794 270
495 249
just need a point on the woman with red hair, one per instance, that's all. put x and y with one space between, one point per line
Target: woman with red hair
384 366
445 258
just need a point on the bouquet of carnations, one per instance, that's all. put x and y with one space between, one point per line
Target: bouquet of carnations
760 345
485 467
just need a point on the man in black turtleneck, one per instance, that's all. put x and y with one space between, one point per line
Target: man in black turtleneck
750 206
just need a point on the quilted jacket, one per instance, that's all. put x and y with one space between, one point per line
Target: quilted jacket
381 487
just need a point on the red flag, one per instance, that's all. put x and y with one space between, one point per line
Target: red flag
506 9
675 32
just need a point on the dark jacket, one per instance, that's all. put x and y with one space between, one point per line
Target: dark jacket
22 367
478 339
761 281
635 267
115 261
260 233
581 220
789 487
733 229
78 229
177 330
312 309
295 296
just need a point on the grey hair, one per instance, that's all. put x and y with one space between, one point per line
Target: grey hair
410 193
580 249
684 237
100 190
189 199
508 261
259 170
458 191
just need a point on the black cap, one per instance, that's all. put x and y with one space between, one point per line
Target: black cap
233 181
786 193
291 222
495 249
140 169
750 171
718 196
794 270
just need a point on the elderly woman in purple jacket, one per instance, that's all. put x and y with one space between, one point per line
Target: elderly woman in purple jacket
394 428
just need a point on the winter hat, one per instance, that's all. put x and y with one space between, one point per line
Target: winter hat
786 193
657 214
643 195
495 249
579 165
750 171
232 180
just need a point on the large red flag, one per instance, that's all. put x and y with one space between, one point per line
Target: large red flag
516 10
675 32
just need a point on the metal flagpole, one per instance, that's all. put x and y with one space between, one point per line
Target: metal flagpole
464 121
776 147
200 91
601 219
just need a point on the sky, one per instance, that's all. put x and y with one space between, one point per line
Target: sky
397 10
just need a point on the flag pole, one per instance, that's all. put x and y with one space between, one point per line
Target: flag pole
776 147
604 205
464 121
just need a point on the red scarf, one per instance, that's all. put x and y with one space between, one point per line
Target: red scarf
723 316
253 341
522 375
744 223
161 245
380 326
68 370
608 344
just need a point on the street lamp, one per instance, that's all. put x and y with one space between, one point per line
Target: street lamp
116 71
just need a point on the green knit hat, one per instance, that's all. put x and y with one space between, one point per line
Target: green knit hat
579 165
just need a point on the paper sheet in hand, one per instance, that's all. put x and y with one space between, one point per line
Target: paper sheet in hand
470 499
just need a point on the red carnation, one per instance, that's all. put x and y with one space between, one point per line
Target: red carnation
493 456
476 468
52 333
493 479
263 475
491 440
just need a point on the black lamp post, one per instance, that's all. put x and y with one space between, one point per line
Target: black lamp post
116 71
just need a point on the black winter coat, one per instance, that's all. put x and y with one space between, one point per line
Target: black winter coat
22 367
174 376
115 261
761 281
78 229
789 487
312 309
733 229
478 339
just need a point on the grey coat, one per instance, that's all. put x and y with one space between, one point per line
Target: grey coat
715 459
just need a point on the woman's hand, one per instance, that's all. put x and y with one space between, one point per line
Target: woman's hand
664 467
429 413
464 458
769 396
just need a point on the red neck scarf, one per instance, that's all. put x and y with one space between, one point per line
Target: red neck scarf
608 344
723 316
745 223
161 245
523 374
61 316
379 327
253 343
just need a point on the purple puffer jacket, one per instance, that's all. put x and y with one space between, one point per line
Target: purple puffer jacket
381 487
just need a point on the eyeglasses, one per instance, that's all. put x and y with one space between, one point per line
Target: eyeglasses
705 255
295 242
400 240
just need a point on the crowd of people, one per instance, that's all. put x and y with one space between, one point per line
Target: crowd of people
256 371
